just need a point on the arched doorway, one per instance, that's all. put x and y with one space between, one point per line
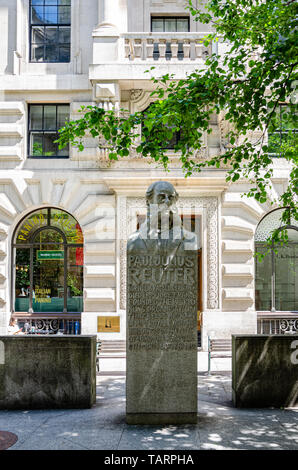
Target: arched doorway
48 264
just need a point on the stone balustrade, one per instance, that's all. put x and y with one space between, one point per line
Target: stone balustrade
165 46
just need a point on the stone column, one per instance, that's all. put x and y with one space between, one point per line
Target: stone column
108 11
106 33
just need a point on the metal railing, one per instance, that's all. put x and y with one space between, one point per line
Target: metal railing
40 324
278 324
165 46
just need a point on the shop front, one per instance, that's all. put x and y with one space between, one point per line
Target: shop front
47 275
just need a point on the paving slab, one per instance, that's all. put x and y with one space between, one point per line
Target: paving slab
103 427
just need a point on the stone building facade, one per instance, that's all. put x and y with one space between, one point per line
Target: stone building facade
55 57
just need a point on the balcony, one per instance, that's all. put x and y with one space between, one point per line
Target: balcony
129 55
161 47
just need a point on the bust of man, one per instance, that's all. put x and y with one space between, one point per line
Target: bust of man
162 232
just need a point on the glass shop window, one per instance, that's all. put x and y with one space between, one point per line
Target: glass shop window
276 282
48 263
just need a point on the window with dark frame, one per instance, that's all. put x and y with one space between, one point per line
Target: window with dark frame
171 143
281 132
44 122
50 24
169 24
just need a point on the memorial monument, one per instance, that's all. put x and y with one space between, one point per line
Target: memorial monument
161 377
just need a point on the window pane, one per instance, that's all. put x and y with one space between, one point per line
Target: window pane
274 141
286 278
51 15
50 149
37 53
75 279
68 225
293 236
182 25
36 144
49 117
63 152
36 117
64 15
49 237
62 115
64 53
64 35
263 281
37 14
22 285
51 33
35 221
51 2
38 34
48 281
170 25
157 25
51 53
37 2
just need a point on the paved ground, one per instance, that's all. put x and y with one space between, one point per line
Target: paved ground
220 426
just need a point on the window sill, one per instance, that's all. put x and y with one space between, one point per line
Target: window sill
54 157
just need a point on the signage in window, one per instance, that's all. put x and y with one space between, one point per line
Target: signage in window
50 255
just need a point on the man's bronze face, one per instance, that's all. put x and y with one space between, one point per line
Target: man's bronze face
164 197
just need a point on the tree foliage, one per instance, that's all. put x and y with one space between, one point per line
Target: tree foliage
247 84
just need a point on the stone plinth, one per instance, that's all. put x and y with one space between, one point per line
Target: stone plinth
161 380
39 372
265 371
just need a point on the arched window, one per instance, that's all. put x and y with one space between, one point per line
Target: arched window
276 281
48 263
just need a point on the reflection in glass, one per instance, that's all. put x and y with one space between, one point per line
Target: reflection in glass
29 226
48 281
62 115
51 15
75 279
22 279
64 15
286 276
38 34
53 19
276 283
36 117
263 280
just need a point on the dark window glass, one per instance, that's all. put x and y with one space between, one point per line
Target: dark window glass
169 24
50 23
281 131
44 123
171 143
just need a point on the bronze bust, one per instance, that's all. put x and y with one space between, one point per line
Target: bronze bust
162 232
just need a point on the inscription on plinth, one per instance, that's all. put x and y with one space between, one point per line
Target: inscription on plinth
162 337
